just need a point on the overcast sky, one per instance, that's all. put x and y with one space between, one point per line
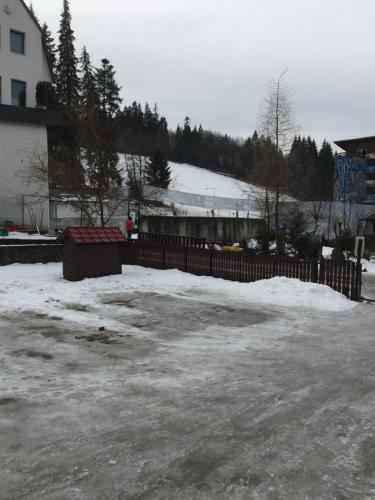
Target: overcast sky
212 59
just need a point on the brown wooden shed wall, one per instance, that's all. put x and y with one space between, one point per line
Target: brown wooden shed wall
91 260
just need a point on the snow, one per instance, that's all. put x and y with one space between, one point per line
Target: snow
368 266
327 252
16 235
196 180
40 289
191 179
189 211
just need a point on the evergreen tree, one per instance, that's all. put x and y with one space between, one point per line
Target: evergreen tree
107 89
67 82
88 92
32 12
326 169
158 173
49 43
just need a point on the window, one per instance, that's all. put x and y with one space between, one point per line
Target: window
17 42
18 93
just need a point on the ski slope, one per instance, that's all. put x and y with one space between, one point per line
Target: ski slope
191 179
195 180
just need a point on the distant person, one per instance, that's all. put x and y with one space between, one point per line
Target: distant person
130 227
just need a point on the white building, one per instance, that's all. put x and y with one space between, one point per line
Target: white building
23 126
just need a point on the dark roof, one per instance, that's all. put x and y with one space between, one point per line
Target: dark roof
369 217
43 41
356 139
92 235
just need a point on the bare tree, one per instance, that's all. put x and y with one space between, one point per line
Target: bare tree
278 126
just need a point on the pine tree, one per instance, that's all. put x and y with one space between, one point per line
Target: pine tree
107 89
67 82
88 92
49 43
32 12
158 173
326 165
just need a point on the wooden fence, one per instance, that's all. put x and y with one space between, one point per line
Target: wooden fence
171 239
346 278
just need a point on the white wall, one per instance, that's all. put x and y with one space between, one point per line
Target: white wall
20 147
31 67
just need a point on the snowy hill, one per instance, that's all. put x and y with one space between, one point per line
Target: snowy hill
191 179
195 180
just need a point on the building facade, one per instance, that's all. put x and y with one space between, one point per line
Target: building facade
23 125
355 170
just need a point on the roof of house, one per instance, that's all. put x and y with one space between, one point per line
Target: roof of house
343 142
43 41
369 217
92 235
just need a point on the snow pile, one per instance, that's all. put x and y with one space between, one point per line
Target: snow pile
327 252
16 235
368 266
41 289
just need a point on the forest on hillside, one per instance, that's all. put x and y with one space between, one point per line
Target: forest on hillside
98 124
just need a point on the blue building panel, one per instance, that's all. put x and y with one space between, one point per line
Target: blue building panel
350 177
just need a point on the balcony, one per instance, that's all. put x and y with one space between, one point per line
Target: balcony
34 116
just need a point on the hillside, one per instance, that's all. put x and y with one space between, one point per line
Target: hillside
191 179
195 180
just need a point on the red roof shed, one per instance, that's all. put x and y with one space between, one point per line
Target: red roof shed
91 252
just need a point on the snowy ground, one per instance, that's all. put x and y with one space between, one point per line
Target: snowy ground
196 389
16 235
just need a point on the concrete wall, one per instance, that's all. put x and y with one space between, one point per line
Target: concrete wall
30 67
20 146
211 228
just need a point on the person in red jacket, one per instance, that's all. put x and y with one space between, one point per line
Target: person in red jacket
130 227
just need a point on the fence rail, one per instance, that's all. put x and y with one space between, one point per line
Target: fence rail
345 278
171 239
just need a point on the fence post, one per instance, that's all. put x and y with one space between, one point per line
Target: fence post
163 258
211 259
358 280
322 272
315 270
186 259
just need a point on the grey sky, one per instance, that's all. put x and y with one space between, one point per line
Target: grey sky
212 59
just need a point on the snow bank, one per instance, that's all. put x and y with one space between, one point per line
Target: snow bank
40 289
16 235
368 266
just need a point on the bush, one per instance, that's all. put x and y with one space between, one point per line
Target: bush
301 243
265 239
343 246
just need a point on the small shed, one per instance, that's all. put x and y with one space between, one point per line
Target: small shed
91 252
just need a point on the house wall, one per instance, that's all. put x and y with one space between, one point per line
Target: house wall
30 67
21 143
20 146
